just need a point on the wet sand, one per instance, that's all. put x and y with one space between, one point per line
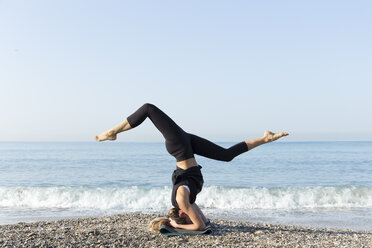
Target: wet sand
131 230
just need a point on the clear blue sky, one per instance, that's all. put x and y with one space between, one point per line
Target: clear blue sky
225 70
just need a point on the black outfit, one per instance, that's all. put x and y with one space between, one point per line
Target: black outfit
183 145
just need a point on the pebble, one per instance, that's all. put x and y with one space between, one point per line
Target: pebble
131 230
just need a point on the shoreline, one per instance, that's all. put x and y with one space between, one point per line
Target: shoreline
131 230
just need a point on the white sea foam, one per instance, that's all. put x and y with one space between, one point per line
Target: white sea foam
212 197
287 198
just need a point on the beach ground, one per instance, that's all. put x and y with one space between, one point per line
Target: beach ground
131 230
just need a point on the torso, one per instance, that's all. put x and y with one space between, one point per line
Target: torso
191 177
188 163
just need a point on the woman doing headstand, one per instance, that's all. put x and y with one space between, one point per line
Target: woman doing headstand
187 178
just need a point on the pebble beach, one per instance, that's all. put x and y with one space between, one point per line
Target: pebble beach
131 230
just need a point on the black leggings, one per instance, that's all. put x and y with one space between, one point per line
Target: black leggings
180 144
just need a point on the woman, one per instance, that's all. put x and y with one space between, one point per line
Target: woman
187 178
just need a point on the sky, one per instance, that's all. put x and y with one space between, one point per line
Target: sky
224 70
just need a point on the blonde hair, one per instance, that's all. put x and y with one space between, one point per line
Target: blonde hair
156 223
173 213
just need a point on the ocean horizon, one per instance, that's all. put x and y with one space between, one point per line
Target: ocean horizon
308 183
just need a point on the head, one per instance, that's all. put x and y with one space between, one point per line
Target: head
175 214
179 216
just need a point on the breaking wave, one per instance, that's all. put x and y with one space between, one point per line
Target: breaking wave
212 197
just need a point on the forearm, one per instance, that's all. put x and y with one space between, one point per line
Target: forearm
191 227
200 213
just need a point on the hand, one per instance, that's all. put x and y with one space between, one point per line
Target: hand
173 223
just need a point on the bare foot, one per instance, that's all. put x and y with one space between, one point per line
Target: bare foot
270 136
107 135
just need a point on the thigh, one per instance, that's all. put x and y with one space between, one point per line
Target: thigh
169 129
206 148
179 146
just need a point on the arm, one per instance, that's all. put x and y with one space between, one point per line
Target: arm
200 213
182 198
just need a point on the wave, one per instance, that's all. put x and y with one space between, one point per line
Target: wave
213 197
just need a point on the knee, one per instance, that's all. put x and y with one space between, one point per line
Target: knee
147 105
150 108
228 159
227 156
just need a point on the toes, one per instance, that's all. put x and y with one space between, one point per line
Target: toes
281 134
270 136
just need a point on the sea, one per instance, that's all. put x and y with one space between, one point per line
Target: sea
314 184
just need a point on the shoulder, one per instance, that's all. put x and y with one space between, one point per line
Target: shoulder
182 191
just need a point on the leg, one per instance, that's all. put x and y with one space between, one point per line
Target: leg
177 141
162 122
168 128
208 149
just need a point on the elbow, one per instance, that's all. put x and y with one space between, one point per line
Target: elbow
200 227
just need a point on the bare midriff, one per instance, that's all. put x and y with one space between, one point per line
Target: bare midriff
188 163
